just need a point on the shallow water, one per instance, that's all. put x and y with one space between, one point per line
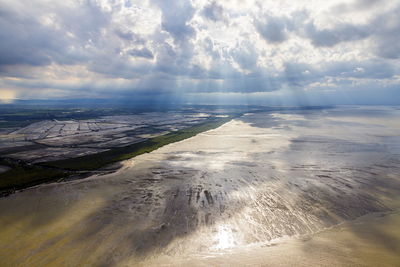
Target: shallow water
260 184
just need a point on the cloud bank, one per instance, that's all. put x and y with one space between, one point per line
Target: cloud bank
209 51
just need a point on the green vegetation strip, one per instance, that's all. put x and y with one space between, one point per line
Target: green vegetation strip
23 175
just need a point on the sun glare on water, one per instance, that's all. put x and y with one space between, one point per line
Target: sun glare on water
224 238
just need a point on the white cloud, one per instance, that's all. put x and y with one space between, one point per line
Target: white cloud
97 48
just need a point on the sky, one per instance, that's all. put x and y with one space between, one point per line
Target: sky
200 51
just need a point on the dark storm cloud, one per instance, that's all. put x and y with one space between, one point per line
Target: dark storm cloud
367 3
341 33
144 53
277 30
175 17
273 29
85 21
213 12
386 28
27 41
297 74
245 55
357 5
130 36
383 30
176 61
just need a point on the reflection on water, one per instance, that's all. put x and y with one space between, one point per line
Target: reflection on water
224 238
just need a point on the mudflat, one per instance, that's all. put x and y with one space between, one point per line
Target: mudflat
306 187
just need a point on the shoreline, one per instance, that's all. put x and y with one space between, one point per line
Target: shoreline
82 167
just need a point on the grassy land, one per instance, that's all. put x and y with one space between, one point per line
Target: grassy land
22 175
96 161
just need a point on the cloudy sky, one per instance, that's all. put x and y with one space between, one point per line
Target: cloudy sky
201 51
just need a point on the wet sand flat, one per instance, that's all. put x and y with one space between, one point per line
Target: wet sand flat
371 240
258 188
